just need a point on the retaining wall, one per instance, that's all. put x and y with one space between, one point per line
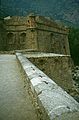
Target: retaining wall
54 102
56 66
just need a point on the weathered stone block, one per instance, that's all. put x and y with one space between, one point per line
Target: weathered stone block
54 102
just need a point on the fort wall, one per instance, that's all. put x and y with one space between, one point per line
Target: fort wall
36 32
56 66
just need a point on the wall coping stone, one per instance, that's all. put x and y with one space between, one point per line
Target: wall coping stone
54 102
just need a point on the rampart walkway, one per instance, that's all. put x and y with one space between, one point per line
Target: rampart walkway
15 103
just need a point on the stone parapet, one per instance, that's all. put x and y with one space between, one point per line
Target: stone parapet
56 66
54 102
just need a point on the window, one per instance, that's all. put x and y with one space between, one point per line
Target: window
10 38
22 38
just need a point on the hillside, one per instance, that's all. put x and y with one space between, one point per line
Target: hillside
66 11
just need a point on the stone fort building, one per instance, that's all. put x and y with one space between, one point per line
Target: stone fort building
37 33
43 35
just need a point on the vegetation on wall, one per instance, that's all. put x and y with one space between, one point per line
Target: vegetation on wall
74 44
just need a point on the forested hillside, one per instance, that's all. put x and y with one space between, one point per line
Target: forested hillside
66 11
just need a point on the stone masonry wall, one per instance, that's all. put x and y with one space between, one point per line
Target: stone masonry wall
44 41
57 67
37 33
51 42
31 39
15 33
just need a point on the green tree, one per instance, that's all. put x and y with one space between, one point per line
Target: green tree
74 44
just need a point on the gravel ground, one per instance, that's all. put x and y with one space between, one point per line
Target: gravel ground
75 75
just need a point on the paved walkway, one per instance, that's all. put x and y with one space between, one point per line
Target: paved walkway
15 103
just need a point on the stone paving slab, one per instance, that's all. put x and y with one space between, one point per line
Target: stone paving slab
15 103
54 102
